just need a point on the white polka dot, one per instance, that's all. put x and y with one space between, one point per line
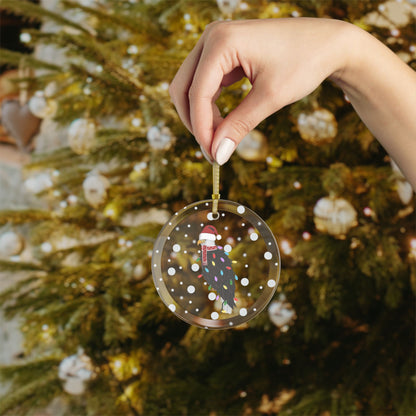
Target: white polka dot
243 311
214 315
176 248
191 289
244 281
212 296
195 267
227 248
171 271
172 307
268 255
271 283
241 209
254 236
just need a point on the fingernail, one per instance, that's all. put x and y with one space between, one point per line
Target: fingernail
225 150
207 156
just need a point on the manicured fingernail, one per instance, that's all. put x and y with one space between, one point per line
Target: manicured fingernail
225 150
207 156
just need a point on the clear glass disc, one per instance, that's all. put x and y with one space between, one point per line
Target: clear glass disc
216 271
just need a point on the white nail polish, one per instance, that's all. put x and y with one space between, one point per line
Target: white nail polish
225 150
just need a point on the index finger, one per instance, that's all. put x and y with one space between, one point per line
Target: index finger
203 92
179 87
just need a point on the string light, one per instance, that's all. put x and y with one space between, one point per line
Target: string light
413 247
286 247
306 236
297 185
368 211
25 37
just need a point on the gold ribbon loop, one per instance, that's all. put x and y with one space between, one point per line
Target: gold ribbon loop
215 188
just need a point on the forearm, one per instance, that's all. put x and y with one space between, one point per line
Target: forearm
382 90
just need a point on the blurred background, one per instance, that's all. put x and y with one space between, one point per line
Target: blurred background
94 160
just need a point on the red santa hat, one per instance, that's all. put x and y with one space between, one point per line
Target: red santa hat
209 232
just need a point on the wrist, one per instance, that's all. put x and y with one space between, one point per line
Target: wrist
348 45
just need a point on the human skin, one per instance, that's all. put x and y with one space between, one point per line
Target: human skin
285 60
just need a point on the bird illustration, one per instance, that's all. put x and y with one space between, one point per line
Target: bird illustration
217 268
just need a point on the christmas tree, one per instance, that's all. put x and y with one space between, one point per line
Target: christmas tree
338 337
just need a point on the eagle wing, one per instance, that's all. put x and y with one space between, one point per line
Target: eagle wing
219 274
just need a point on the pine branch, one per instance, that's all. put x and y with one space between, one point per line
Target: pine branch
28 395
100 53
33 11
14 266
136 23
16 59
24 216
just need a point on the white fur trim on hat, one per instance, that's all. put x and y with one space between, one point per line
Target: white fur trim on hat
207 236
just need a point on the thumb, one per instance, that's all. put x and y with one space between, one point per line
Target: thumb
244 118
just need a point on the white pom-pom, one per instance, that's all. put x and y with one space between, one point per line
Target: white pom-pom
95 189
81 135
11 244
41 107
281 313
334 216
75 371
159 137
38 183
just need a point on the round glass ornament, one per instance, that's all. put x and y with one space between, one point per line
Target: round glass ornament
218 270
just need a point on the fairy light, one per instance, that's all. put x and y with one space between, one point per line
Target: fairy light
25 37
297 185
368 211
286 247
136 122
306 236
72 199
413 247
395 32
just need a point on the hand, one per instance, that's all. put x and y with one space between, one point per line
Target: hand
284 59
